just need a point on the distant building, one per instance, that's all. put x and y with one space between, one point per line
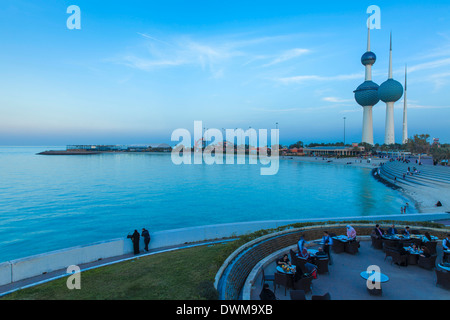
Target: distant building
333 151
293 152
436 142
161 147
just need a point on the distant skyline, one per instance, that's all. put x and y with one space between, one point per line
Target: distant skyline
137 70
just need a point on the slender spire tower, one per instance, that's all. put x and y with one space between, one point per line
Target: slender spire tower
405 114
389 92
366 95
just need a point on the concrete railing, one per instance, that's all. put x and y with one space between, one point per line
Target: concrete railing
28 267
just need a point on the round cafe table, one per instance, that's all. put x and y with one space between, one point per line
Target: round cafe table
375 276
413 255
281 270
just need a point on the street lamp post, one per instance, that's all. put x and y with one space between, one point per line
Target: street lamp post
344 130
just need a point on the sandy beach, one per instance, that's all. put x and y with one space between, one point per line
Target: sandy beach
423 198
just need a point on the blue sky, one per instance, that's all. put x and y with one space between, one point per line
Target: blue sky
137 70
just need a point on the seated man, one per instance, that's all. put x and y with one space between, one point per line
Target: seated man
321 254
378 231
406 232
266 293
284 260
392 230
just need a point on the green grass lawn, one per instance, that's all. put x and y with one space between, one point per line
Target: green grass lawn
177 275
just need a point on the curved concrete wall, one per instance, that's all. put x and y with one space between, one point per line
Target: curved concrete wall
28 267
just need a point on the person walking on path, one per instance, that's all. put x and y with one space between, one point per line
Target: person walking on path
146 235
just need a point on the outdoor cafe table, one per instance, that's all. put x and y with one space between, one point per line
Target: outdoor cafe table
374 276
341 238
291 270
312 252
340 243
413 255
418 239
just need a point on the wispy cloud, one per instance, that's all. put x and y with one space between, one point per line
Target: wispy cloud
430 65
288 55
337 100
210 54
306 78
179 51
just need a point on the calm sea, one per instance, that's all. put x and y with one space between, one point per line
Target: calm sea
54 202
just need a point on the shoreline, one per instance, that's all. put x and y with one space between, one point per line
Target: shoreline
423 198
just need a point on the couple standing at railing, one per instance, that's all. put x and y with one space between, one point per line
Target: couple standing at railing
135 238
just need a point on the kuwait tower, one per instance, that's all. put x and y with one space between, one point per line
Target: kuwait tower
366 95
389 92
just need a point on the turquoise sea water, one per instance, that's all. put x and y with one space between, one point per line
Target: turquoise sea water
54 202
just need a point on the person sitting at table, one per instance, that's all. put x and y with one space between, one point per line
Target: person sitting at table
302 251
392 230
406 232
284 260
321 253
304 254
308 270
351 233
425 252
378 231
426 237
266 293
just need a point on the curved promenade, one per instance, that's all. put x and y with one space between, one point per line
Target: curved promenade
426 187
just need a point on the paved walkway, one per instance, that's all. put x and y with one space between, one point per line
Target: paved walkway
345 283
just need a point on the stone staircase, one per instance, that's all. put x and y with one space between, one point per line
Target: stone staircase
429 176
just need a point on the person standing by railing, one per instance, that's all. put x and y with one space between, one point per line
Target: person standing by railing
146 235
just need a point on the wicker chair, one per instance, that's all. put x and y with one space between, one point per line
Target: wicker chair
352 247
389 244
285 280
427 263
297 295
300 264
338 246
322 265
443 278
294 257
389 253
399 259
267 278
303 284
431 245
377 243
326 296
